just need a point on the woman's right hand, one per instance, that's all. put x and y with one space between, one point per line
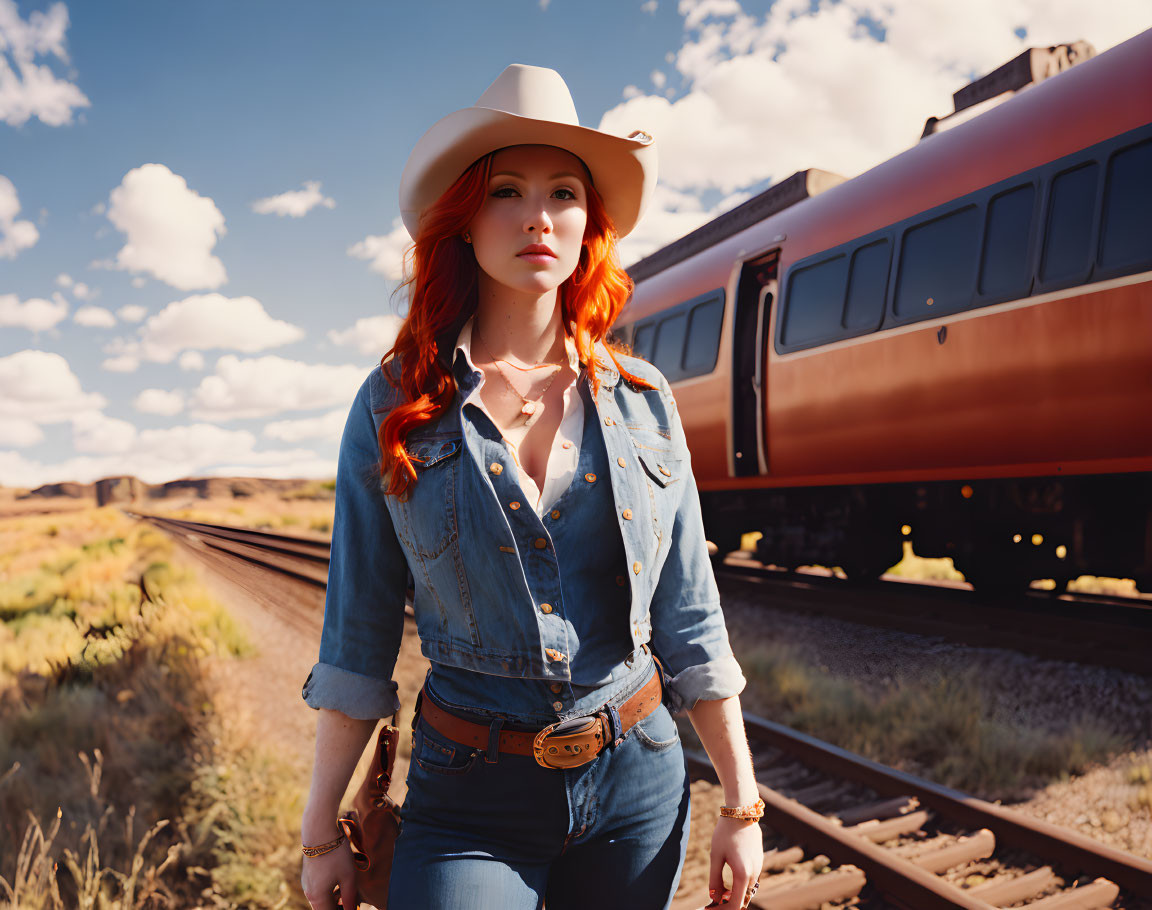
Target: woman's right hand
322 874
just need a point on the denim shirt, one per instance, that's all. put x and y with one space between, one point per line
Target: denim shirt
481 578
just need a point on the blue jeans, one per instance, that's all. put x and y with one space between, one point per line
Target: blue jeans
513 835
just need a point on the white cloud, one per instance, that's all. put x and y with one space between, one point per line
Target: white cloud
123 363
14 235
384 252
328 427
294 203
170 228
29 89
95 433
64 280
264 386
370 335
649 6
35 314
40 386
132 312
803 86
159 401
205 321
659 79
18 433
81 291
200 322
191 361
95 317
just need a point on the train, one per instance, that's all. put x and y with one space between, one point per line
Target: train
953 347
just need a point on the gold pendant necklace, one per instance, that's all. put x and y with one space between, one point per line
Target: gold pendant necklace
529 408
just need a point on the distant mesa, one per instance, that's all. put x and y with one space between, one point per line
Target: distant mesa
129 489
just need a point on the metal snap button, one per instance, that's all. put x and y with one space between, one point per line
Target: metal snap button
557 688
627 513
591 478
545 608
496 467
636 568
620 461
540 543
607 421
513 505
553 654
557 706
555 513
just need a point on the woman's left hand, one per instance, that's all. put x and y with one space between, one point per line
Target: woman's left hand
739 845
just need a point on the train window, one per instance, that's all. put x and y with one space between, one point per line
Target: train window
1004 270
1126 239
867 286
815 301
703 337
938 265
1069 230
669 350
642 342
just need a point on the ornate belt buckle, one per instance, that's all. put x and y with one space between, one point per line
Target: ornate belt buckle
569 743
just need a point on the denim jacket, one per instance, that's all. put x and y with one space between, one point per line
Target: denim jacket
473 605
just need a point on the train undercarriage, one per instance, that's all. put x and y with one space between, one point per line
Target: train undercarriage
1001 533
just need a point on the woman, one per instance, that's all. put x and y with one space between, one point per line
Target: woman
537 484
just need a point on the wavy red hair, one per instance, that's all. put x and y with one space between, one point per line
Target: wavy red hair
441 280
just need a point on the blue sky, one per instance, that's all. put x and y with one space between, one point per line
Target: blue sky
157 318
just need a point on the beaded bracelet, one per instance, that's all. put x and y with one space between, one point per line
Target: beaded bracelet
754 811
321 849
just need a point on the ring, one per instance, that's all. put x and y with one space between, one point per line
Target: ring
751 893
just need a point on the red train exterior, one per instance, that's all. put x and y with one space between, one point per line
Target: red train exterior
1009 426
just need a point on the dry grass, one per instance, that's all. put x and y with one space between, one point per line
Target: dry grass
120 787
940 729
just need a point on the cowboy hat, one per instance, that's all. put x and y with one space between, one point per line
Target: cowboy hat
529 105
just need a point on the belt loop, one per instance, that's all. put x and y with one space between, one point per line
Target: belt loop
492 754
616 727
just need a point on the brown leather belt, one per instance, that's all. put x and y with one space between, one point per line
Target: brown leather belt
566 744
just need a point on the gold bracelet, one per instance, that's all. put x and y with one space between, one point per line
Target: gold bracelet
754 811
321 849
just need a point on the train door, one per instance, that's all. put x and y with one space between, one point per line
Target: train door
754 295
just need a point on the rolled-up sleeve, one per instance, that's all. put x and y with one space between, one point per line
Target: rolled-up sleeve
367 577
688 631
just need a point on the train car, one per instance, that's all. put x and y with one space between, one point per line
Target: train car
958 340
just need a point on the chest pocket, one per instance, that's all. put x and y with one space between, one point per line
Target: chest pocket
663 472
430 512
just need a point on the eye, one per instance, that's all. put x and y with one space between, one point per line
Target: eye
500 191
564 189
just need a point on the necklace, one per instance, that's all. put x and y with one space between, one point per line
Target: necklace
529 406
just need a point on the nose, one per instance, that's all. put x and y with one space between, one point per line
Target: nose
538 219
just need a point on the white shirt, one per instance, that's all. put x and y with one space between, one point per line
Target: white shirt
565 452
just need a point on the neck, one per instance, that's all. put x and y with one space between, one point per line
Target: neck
521 328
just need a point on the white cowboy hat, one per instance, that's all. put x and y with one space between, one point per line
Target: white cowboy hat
529 105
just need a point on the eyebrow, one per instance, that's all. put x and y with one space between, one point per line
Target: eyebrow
522 177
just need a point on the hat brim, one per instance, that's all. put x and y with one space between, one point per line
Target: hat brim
623 170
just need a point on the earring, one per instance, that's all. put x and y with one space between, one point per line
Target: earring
467 237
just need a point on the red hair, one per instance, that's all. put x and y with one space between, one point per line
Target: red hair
442 271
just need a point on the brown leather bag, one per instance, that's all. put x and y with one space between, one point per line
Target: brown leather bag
373 823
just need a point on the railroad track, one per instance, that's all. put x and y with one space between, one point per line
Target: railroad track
1105 631
843 830
846 831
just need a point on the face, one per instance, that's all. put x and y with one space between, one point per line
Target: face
536 196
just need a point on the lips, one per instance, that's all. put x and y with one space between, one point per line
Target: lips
536 249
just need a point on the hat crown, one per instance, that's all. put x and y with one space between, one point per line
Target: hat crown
531 91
